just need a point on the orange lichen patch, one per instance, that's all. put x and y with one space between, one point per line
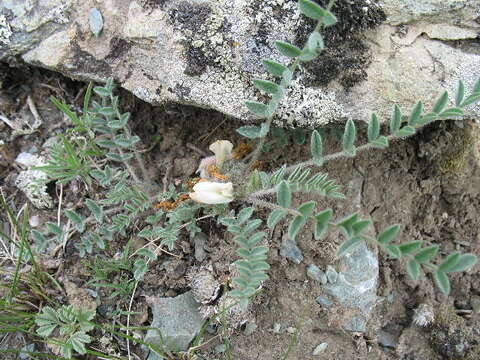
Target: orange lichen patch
241 150
170 205
257 165
192 182
213 170
165 205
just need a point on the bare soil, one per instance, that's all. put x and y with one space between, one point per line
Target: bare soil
429 183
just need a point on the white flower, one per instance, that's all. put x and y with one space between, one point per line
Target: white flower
222 150
208 192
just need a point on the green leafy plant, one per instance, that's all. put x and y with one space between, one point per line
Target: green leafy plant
72 324
102 151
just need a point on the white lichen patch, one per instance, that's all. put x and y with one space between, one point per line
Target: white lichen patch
204 286
309 107
423 315
5 30
33 183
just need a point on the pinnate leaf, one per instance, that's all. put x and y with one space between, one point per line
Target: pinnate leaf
287 49
284 194
311 9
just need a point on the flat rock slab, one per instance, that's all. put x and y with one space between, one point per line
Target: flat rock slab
177 319
206 52
355 288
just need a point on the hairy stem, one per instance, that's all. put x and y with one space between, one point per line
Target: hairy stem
292 68
269 205
139 159
343 154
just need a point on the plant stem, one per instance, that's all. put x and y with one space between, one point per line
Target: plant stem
129 167
343 154
292 68
139 159
269 205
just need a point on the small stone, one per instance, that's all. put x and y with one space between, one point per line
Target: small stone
320 349
290 250
29 160
250 329
331 274
424 315
313 272
34 221
25 350
475 304
211 329
387 339
203 284
276 328
199 241
356 324
291 330
154 356
324 301
220 349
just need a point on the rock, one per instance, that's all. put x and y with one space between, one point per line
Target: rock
220 348
313 272
276 328
319 349
34 221
205 287
291 330
250 328
29 160
206 53
356 324
78 297
33 183
290 250
424 315
199 241
355 288
25 350
387 339
475 303
331 274
177 319
324 301
154 356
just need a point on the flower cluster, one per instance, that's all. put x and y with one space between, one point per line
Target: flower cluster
208 191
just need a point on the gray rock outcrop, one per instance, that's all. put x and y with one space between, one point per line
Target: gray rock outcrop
205 52
177 319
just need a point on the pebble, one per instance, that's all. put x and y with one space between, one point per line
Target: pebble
313 272
387 339
250 329
324 301
291 330
34 221
290 250
331 274
220 348
199 241
276 328
475 303
320 349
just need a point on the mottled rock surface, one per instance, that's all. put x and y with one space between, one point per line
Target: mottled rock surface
356 287
205 53
177 319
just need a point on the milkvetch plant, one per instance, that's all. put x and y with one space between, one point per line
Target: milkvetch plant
102 151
